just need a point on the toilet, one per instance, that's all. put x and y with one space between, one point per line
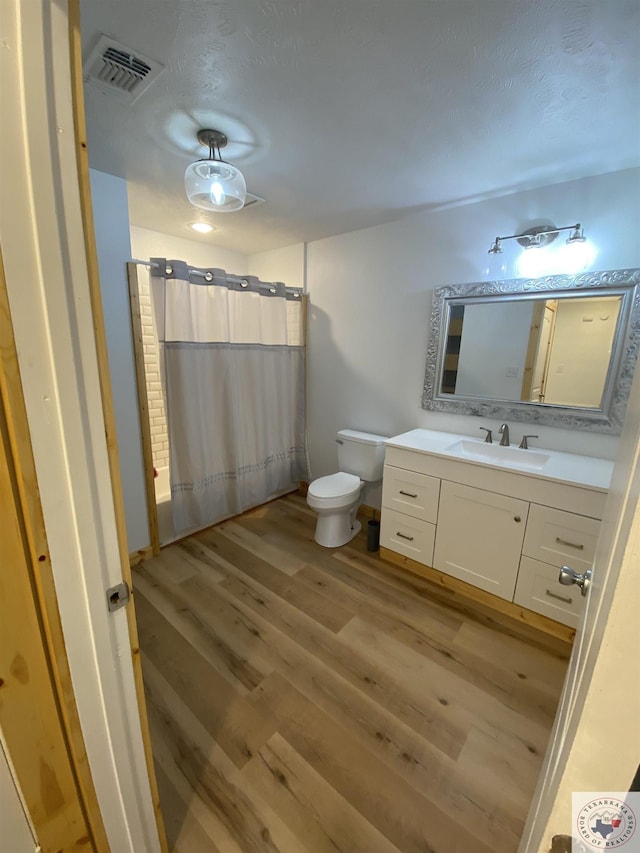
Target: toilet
336 498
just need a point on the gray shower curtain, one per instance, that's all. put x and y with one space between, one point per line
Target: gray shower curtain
234 377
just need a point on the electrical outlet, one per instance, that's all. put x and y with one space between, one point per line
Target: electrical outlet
512 372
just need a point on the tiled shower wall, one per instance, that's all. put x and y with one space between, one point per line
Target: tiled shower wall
157 416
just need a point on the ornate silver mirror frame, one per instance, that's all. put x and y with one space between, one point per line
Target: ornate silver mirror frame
609 417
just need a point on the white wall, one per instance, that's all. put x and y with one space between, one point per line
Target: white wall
110 212
147 244
286 264
582 342
493 349
370 300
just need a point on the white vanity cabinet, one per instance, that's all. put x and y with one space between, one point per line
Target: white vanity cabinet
554 539
479 537
501 531
411 508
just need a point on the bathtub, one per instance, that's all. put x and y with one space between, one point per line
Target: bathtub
164 509
162 486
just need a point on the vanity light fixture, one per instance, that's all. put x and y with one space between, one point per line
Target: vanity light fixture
539 237
212 183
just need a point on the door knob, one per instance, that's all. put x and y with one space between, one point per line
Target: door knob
568 577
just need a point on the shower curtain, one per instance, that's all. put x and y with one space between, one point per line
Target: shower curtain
234 382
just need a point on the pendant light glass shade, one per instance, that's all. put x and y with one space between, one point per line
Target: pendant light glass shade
213 184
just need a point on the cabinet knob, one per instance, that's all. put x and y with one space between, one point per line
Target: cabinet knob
517 518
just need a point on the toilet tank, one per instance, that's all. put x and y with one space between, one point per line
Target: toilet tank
361 453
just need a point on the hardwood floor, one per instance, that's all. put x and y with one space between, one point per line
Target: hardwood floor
302 699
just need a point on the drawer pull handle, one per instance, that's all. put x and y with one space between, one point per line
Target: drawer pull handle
559 597
402 536
407 494
560 541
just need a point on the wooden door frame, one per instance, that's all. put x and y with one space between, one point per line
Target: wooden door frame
38 633
95 294
143 409
55 309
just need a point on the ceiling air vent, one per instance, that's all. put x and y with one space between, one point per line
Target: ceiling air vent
115 68
252 200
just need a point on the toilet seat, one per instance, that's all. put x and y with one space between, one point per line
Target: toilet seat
335 490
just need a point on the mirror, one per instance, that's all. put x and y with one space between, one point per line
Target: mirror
560 350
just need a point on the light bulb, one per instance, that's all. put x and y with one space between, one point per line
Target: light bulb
576 256
215 185
495 267
217 193
534 262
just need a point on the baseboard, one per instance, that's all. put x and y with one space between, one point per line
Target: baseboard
137 557
366 512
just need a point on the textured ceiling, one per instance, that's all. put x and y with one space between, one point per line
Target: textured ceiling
348 113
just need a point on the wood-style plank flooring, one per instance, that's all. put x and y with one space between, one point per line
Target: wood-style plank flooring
303 699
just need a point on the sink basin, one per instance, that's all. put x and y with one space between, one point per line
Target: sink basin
494 454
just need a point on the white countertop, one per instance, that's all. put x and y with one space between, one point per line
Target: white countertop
586 471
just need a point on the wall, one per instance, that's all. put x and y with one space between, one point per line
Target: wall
370 300
147 244
493 349
582 343
110 206
286 264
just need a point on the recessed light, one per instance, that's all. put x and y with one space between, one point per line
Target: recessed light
202 227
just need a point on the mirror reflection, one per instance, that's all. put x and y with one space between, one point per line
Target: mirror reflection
555 351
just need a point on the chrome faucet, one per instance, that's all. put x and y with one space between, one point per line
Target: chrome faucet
504 432
489 437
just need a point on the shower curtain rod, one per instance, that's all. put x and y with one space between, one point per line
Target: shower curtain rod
296 291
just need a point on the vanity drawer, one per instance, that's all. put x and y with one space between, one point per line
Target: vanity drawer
538 589
411 493
558 537
408 536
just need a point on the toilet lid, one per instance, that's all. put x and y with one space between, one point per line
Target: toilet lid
334 485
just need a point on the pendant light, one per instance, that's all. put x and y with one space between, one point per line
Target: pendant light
212 183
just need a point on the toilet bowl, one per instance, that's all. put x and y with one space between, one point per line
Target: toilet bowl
337 497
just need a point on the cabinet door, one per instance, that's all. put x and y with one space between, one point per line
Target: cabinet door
479 537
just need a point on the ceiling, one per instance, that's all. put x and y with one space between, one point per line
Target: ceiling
348 113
